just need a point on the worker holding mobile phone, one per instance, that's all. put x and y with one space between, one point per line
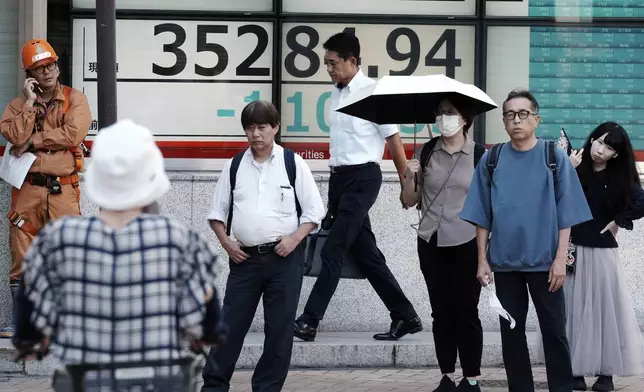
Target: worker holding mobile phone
51 121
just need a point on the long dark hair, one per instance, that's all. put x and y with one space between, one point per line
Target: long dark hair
621 171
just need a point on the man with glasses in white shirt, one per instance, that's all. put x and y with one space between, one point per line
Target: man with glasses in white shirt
356 149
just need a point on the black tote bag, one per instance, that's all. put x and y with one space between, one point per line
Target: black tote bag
313 261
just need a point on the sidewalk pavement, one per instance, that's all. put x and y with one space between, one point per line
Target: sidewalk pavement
330 350
358 380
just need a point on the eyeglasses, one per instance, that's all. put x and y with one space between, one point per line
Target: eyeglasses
448 112
49 67
523 114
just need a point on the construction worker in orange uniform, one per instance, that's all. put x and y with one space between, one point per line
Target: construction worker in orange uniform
50 121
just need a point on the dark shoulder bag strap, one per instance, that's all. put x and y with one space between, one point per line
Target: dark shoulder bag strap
291 170
234 166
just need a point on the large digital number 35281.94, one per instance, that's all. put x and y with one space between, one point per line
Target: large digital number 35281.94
243 69
447 39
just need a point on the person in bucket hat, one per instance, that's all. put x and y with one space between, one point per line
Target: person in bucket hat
144 276
124 176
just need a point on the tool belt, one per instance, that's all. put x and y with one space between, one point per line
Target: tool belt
52 183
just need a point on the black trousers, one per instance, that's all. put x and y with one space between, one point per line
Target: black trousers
454 292
512 290
352 192
278 280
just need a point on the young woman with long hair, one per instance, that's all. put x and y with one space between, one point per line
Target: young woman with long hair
602 328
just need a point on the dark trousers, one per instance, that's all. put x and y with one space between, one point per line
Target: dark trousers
454 292
352 192
278 280
512 290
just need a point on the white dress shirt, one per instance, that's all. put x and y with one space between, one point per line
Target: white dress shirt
264 202
354 141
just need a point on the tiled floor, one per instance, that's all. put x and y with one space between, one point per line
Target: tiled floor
338 380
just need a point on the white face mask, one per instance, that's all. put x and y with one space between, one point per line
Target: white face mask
448 125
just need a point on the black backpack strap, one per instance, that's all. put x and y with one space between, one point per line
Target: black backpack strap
426 152
479 150
291 170
493 159
551 160
234 166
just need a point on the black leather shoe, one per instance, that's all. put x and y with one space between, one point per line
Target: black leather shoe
304 331
400 328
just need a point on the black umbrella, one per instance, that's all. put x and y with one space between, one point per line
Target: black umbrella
412 99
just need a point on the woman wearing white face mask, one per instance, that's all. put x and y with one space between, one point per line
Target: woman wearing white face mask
447 245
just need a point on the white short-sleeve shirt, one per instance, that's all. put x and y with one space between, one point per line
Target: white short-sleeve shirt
355 141
264 201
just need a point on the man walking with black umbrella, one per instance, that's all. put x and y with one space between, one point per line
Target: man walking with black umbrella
356 149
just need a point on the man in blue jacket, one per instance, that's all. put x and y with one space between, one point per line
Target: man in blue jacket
526 194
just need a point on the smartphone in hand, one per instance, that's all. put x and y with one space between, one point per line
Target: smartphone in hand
36 88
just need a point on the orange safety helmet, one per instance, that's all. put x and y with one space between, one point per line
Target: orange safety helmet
37 53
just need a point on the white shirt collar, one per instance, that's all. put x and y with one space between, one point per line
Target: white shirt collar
355 81
276 149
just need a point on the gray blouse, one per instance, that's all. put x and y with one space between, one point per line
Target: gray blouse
444 188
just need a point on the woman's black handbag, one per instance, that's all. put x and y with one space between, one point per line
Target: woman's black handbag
313 261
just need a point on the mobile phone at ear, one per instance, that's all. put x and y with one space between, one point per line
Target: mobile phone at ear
34 87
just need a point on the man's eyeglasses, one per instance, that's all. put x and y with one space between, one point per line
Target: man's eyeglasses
523 114
49 67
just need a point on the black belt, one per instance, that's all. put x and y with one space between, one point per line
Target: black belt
348 168
258 250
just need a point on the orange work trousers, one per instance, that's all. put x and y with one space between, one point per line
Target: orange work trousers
36 206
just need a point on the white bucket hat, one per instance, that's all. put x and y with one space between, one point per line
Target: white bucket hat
126 170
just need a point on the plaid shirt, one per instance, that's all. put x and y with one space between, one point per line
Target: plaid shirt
107 295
